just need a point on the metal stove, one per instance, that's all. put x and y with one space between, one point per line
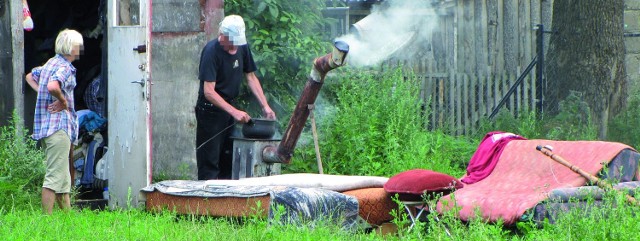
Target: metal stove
264 157
247 158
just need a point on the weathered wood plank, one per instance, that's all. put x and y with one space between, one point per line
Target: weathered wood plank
468 38
536 18
480 11
492 35
458 104
434 102
458 61
510 34
546 9
441 103
533 85
481 96
513 99
452 44
525 24
504 86
496 91
474 101
451 98
465 103
500 38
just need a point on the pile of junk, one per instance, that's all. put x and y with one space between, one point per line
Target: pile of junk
89 170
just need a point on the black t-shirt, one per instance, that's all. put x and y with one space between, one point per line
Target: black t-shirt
217 65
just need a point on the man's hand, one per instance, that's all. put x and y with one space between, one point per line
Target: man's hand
57 106
241 116
268 113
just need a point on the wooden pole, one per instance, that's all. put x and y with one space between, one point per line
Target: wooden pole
315 139
601 183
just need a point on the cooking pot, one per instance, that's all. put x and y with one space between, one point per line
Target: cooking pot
259 128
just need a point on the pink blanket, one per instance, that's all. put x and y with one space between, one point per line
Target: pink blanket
486 157
524 176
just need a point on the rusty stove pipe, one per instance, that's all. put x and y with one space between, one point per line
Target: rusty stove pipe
321 65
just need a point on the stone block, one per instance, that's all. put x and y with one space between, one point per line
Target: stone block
632 21
632 4
632 62
176 16
632 44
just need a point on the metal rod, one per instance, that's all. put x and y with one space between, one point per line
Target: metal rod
214 136
513 87
601 183
537 61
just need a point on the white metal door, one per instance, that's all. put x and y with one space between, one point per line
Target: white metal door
129 156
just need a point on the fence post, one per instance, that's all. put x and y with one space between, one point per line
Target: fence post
540 85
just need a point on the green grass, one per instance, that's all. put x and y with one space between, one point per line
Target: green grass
140 225
614 220
372 131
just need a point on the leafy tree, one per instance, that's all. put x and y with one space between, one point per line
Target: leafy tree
285 37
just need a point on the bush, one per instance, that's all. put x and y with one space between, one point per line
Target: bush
526 125
21 166
377 118
376 129
573 122
622 128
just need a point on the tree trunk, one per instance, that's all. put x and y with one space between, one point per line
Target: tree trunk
587 54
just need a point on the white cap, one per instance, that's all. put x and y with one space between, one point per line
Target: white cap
232 26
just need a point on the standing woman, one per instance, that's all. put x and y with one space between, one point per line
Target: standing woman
55 120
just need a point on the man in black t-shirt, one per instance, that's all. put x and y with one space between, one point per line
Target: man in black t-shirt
223 63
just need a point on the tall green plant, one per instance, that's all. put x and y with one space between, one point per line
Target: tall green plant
377 128
378 114
21 166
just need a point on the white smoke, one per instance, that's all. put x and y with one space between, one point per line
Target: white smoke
390 30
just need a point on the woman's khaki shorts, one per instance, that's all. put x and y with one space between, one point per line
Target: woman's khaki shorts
57 176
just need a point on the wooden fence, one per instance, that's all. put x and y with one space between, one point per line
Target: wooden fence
486 37
473 57
476 54
457 102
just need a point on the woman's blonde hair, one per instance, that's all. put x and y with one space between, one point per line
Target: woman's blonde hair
66 40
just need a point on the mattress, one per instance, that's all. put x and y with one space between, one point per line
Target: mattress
217 206
374 205
305 197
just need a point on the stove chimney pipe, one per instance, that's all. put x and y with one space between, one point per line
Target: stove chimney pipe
321 65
